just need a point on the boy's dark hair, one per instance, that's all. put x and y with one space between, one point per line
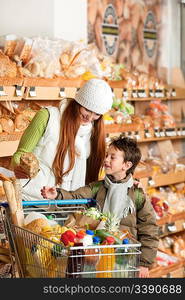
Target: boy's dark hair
131 151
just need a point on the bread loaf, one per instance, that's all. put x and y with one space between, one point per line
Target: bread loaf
37 225
7 67
29 163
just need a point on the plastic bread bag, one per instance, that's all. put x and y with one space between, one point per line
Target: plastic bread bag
10 44
73 59
45 59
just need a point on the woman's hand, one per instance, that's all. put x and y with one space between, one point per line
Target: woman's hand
20 173
48 192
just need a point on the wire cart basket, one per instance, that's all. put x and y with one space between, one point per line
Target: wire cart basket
37 256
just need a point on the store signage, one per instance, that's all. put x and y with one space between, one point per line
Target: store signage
110 30
150 34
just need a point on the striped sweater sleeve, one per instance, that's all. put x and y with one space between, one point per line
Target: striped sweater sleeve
31 135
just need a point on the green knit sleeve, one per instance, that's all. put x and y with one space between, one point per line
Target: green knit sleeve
32 135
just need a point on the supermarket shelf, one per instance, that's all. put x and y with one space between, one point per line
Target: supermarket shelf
172 218
171 224
171 271
142 136
168 178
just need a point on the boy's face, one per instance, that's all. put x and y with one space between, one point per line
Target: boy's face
114 163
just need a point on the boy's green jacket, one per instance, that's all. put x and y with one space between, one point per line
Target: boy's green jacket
141 223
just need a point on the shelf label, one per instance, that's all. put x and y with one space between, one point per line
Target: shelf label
141 93
159 93
179 132
125 93
147 133
32 91
137 136
162 133
183 131
151 93
62 92
156 133
171 227
151 182
18 90
173 93
171 132
134 94
2 92
129 134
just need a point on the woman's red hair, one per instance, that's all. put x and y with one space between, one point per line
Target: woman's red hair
70 124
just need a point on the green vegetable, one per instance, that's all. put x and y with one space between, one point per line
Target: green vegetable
102 233
57 251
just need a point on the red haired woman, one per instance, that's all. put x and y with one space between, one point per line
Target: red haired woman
69 142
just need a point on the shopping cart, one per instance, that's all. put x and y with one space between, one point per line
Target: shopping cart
37 256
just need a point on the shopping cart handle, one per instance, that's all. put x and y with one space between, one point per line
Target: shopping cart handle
89 201
58 202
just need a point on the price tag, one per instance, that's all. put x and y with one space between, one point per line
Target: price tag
2 92
62 92
32 91
173 93
162 133
18 90
159 93
171 227
156 133
147 133
125 93
141 93
151 93
129 134
183 131
134 94
179 132
137 136
170 132
151 182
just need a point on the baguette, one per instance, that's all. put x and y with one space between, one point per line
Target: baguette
10 195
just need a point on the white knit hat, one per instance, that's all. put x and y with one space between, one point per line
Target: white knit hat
95 95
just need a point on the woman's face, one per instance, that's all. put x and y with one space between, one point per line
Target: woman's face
87 116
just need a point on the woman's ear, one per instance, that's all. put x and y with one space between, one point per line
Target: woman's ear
128 165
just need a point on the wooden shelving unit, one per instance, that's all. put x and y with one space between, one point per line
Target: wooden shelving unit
53 90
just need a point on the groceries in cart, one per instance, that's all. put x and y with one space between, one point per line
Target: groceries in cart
87 244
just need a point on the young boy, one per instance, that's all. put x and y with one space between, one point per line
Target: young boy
118 194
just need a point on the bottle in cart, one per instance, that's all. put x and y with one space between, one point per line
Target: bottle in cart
107 259
88 238
75 264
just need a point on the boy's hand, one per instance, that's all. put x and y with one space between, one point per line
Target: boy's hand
48 192
143 272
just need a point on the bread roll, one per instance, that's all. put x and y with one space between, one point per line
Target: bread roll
30 164
7 124
21 122
37 225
